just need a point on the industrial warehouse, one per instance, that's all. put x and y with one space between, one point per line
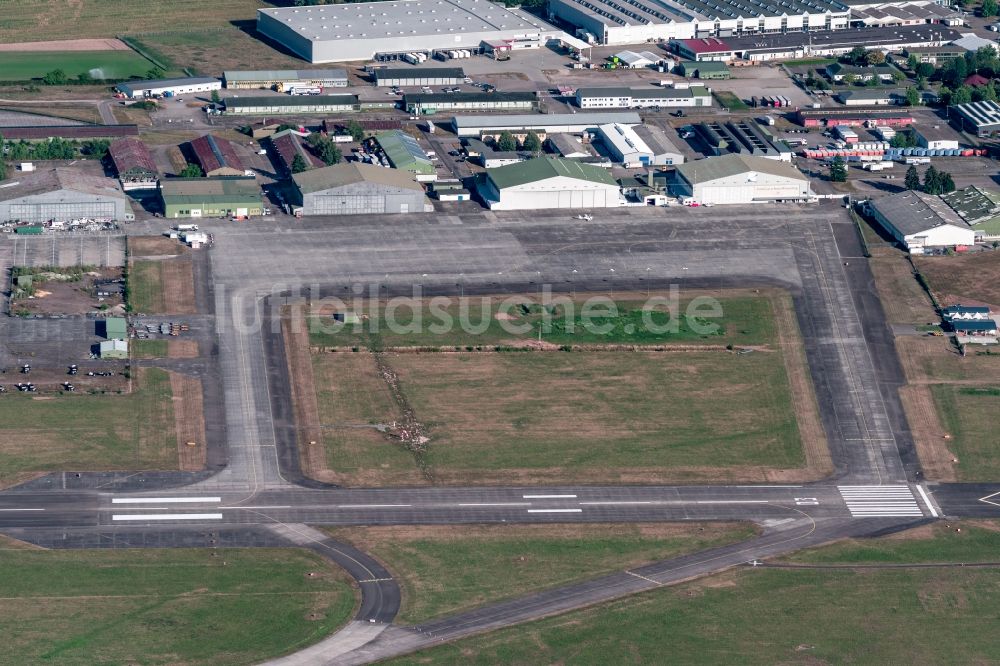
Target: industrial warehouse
355 188
133 164
216 156
740 179
519 125
169 87
62 195
549 182
237 197
433 102
635 98
283 80
360 31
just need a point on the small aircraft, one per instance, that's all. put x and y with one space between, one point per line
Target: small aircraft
585 217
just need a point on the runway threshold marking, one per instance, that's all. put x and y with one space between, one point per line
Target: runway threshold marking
616 503
164 500
496 504
548 496
733 502
927 501
22 509
555 510
167 516
880 501
373 506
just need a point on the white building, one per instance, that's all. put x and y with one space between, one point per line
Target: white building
186 86
550 182
359 31
542 123
634 60
740 179
631 149
936 137
643 98
629 22
920 221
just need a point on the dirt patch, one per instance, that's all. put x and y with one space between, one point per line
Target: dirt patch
70 292
312 454
68 45
182 349
903 299
814 443
154 246
189 421
10 543
971 279
921 533
928 433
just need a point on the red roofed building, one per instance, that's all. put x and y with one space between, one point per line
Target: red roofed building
707 48
133 163
287 144
976 80
216 156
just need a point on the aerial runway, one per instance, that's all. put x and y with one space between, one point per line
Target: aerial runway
257 496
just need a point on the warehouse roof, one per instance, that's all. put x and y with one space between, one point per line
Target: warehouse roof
288 144
714 168
291 101
430 98
826 39
415 73
167 83
403 150
130 154
705 45
59 178
347 173
973 203
982 114
656 139
286 75
567 144
912 212
710 66
213 153
644 93
546 120
542 168
231 189
389 19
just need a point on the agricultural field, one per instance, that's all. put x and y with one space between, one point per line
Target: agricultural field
550 414
446 569
22 66
175 606
783 615
40 433
214 51
32 20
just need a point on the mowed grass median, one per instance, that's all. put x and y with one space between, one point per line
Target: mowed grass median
783 616
446 569
89 432
521 412
166 606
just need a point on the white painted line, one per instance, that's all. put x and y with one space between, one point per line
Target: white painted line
237 506
496 504
986 500
733 502
372 506
555 510
164 500
167 516
623 503
22 509
548 496
767 486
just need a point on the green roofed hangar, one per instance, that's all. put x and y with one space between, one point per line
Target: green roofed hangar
232 196
549 182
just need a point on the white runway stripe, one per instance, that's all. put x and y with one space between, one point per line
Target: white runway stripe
880 501
167 516
164 500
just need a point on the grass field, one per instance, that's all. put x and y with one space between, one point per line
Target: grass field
730 101
215 51
149 348
34 20
17 66
968 414
744 321
782 616
163 286
903 300
550 416
961 279
166 606
447 569
134 431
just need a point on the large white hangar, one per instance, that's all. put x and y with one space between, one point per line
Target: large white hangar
359 31
638 21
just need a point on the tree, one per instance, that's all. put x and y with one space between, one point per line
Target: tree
55 77
872 82
956 71
532 143
875 57
856 56
3 169
912 62
325 148
356 131
838 170
925 69
912 180
155 73
897 76
215 97
84 77
989 8
95 148
850 79
902 139
963 95
191 171
932 181
299 164
947 183
506 142
912 96
986 93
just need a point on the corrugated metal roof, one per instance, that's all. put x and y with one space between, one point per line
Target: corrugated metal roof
541 120
403 151
60 178
913 212
542 168
714 168
130 154
167 83
291 101
214 153
347 173
421 73
286 75
226 189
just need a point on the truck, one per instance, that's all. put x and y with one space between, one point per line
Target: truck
917 160
305 90
766 120
410 58
187 227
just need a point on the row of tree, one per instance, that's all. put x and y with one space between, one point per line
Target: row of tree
935 182
53 149
506 142
59 77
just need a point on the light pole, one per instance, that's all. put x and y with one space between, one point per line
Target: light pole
612 283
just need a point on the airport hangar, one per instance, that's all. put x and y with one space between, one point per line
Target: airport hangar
362 30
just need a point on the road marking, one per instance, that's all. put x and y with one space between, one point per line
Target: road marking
733 502
986 500
766 486
375 580
22 509
164 500
548 496
289 506
496 504
609 503
880 501
555 510
654 582
372 506
167 516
